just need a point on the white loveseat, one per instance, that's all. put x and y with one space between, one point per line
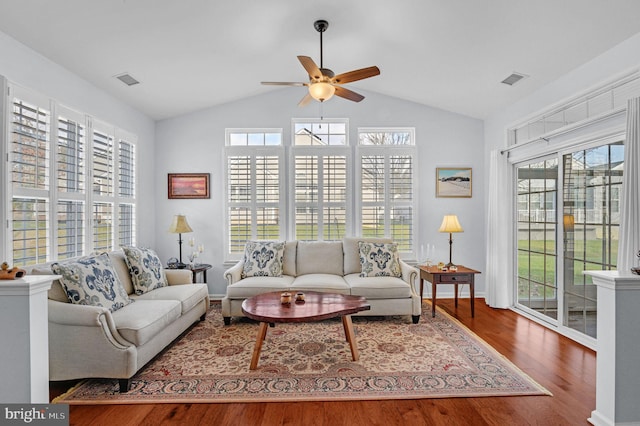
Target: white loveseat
91 341
327 266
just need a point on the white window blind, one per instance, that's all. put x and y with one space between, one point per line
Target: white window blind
54 152
255 187
70 164
102 163
387 185
70 217
102 226
320 196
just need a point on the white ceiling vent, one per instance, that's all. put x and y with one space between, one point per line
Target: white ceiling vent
514 78
127 79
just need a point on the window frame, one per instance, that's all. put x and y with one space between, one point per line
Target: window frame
53 195
253 151
388 151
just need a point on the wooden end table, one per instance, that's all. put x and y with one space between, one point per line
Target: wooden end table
199 268
436 276
317 306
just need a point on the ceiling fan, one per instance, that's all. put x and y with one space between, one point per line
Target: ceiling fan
323 83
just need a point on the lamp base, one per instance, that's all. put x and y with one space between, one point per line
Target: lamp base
449 265
181 265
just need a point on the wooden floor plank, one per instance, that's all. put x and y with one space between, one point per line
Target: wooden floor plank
564 367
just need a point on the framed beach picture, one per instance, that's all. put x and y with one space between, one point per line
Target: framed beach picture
453 182
188 185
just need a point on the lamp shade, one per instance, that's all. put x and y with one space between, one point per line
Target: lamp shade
450 224
179 225
321 91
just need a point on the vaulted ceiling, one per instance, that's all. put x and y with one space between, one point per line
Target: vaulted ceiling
192 54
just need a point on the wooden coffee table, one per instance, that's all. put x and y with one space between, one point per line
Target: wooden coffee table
317 306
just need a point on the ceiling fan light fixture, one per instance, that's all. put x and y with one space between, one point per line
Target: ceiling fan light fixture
321 91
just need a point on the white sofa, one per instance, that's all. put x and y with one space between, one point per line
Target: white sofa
91 341
327 266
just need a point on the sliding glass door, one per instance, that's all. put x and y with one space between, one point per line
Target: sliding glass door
537 186
592 179
561 233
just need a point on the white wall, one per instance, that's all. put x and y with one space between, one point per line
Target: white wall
29 69
623 58
195 143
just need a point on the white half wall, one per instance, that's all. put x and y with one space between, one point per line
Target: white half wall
195 143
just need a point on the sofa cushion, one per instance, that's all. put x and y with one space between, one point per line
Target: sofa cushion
379 260
352 252
320 257
329 283
56 292
378 287
145 269
189 295
263 259
289 258
251 286
122 270
92 280
141 321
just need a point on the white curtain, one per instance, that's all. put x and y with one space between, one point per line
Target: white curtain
629 242
498 279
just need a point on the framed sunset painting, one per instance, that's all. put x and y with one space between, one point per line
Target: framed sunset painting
188 185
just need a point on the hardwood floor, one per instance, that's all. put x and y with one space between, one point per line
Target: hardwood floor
564 367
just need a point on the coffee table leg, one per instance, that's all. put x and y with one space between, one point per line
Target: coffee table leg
348 331
262 333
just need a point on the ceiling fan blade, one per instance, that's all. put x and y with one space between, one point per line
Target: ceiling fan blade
304 101
356 75
283 83
311 67
348 94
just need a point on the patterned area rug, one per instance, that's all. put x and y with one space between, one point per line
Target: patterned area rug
436 358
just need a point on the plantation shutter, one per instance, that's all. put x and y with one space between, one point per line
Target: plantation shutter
30 135
255 195
126 193
320 196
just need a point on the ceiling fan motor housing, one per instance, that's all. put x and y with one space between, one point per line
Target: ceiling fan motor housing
321 25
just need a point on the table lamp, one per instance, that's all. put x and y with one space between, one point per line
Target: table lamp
180 226
450 224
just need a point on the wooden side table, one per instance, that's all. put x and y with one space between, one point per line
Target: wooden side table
436 276
197 269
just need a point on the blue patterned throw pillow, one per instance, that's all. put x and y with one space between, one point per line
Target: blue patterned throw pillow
379 260
263 259
145 269
92 281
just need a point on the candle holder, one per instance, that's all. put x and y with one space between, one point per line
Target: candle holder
285 298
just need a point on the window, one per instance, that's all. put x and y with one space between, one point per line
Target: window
387 190
319 174
51 163
320 159
255 187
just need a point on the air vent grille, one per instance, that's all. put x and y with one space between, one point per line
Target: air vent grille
127 79
513 78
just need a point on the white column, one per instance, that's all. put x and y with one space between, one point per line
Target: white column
24 344
618 359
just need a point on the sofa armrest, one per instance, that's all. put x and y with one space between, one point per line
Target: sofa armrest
86 316
234 274
409 273
178 276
